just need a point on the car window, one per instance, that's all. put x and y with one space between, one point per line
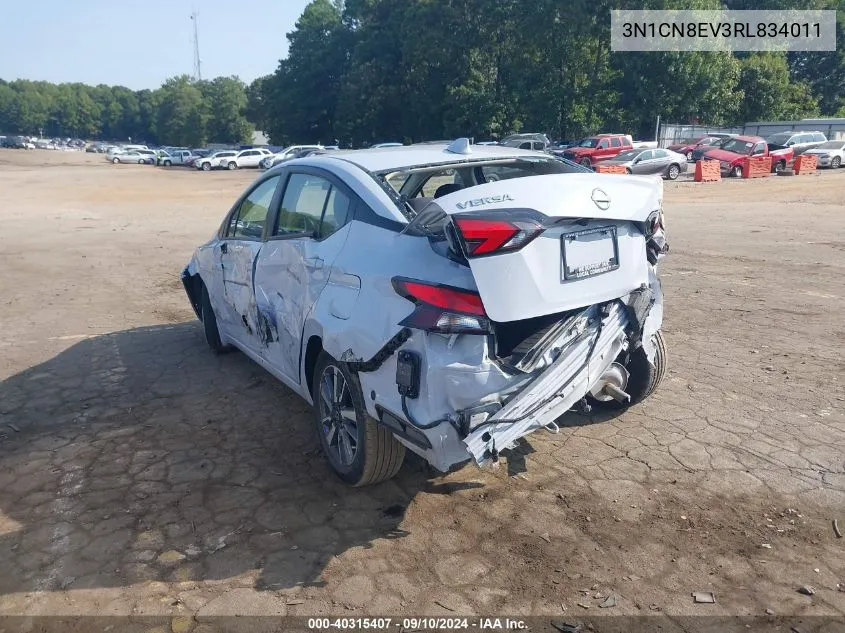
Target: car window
659 153
397 179
436 180
818 137
525 145
805 138
337 212
759 148
303 204
248 222
614 142
602 144
647 155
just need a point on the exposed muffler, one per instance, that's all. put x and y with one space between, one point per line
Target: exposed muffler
612 384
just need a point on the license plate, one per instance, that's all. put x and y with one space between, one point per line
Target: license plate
589 252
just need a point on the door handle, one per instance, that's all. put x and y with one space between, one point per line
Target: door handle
224 247
314 262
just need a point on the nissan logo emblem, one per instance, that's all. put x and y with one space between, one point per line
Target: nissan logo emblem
601 199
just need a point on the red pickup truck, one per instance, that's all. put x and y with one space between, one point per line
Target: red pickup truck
597 148
732 154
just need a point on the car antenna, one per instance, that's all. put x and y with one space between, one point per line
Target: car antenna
460 146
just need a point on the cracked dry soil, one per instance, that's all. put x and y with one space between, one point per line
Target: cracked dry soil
140 474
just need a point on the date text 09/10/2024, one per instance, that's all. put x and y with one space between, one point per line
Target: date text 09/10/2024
420 623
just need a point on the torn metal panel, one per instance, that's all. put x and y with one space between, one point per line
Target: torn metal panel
556 389
654 320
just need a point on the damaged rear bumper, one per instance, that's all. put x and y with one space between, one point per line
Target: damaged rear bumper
581 361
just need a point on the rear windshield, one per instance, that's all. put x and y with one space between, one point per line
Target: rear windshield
737 146
411 187
832 145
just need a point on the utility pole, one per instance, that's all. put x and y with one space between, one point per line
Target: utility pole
197 63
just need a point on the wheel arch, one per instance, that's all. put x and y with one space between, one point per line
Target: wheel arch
313 348
193 283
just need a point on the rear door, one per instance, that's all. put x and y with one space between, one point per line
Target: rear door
308 231
659 162
235 253
250 158
644 164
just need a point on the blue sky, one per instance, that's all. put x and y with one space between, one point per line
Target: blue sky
140 44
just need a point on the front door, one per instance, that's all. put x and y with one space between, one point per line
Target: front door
294 266
236 253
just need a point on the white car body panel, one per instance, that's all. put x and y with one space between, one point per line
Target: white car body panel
214 160
824 157
274 297
246 158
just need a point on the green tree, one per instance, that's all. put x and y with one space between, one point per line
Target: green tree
257 106
227 101
303 92
768 93
183 114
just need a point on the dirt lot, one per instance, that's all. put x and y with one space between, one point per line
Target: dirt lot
140 474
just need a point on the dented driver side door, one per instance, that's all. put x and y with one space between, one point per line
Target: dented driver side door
235 255
297 261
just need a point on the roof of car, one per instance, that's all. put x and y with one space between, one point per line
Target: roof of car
386 158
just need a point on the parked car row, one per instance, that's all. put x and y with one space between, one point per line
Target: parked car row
140 156
731 150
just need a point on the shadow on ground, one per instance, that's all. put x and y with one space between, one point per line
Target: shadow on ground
141 456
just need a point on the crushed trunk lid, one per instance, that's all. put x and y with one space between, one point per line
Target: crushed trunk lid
591 248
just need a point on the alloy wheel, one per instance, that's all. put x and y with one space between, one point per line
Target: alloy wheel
338 421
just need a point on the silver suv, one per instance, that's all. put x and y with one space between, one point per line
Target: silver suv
800 142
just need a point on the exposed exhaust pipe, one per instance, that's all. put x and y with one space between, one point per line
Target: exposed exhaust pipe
612 384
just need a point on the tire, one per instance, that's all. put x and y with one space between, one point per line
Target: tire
232 165
586 162
780 166
644 378
206 166
673 171
115 160
689 156
167 163
377 455
628 171
142 162
209 324
736 172
835 162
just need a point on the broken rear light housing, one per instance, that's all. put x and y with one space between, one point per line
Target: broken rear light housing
441 308
496 232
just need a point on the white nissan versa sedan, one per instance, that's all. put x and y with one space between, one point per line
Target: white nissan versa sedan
447 299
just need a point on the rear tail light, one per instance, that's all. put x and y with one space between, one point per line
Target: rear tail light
654 223
655 233
492 235
442 308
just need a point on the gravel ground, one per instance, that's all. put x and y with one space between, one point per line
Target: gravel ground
141 474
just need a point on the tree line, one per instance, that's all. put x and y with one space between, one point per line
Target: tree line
407 70
363 71
181 112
